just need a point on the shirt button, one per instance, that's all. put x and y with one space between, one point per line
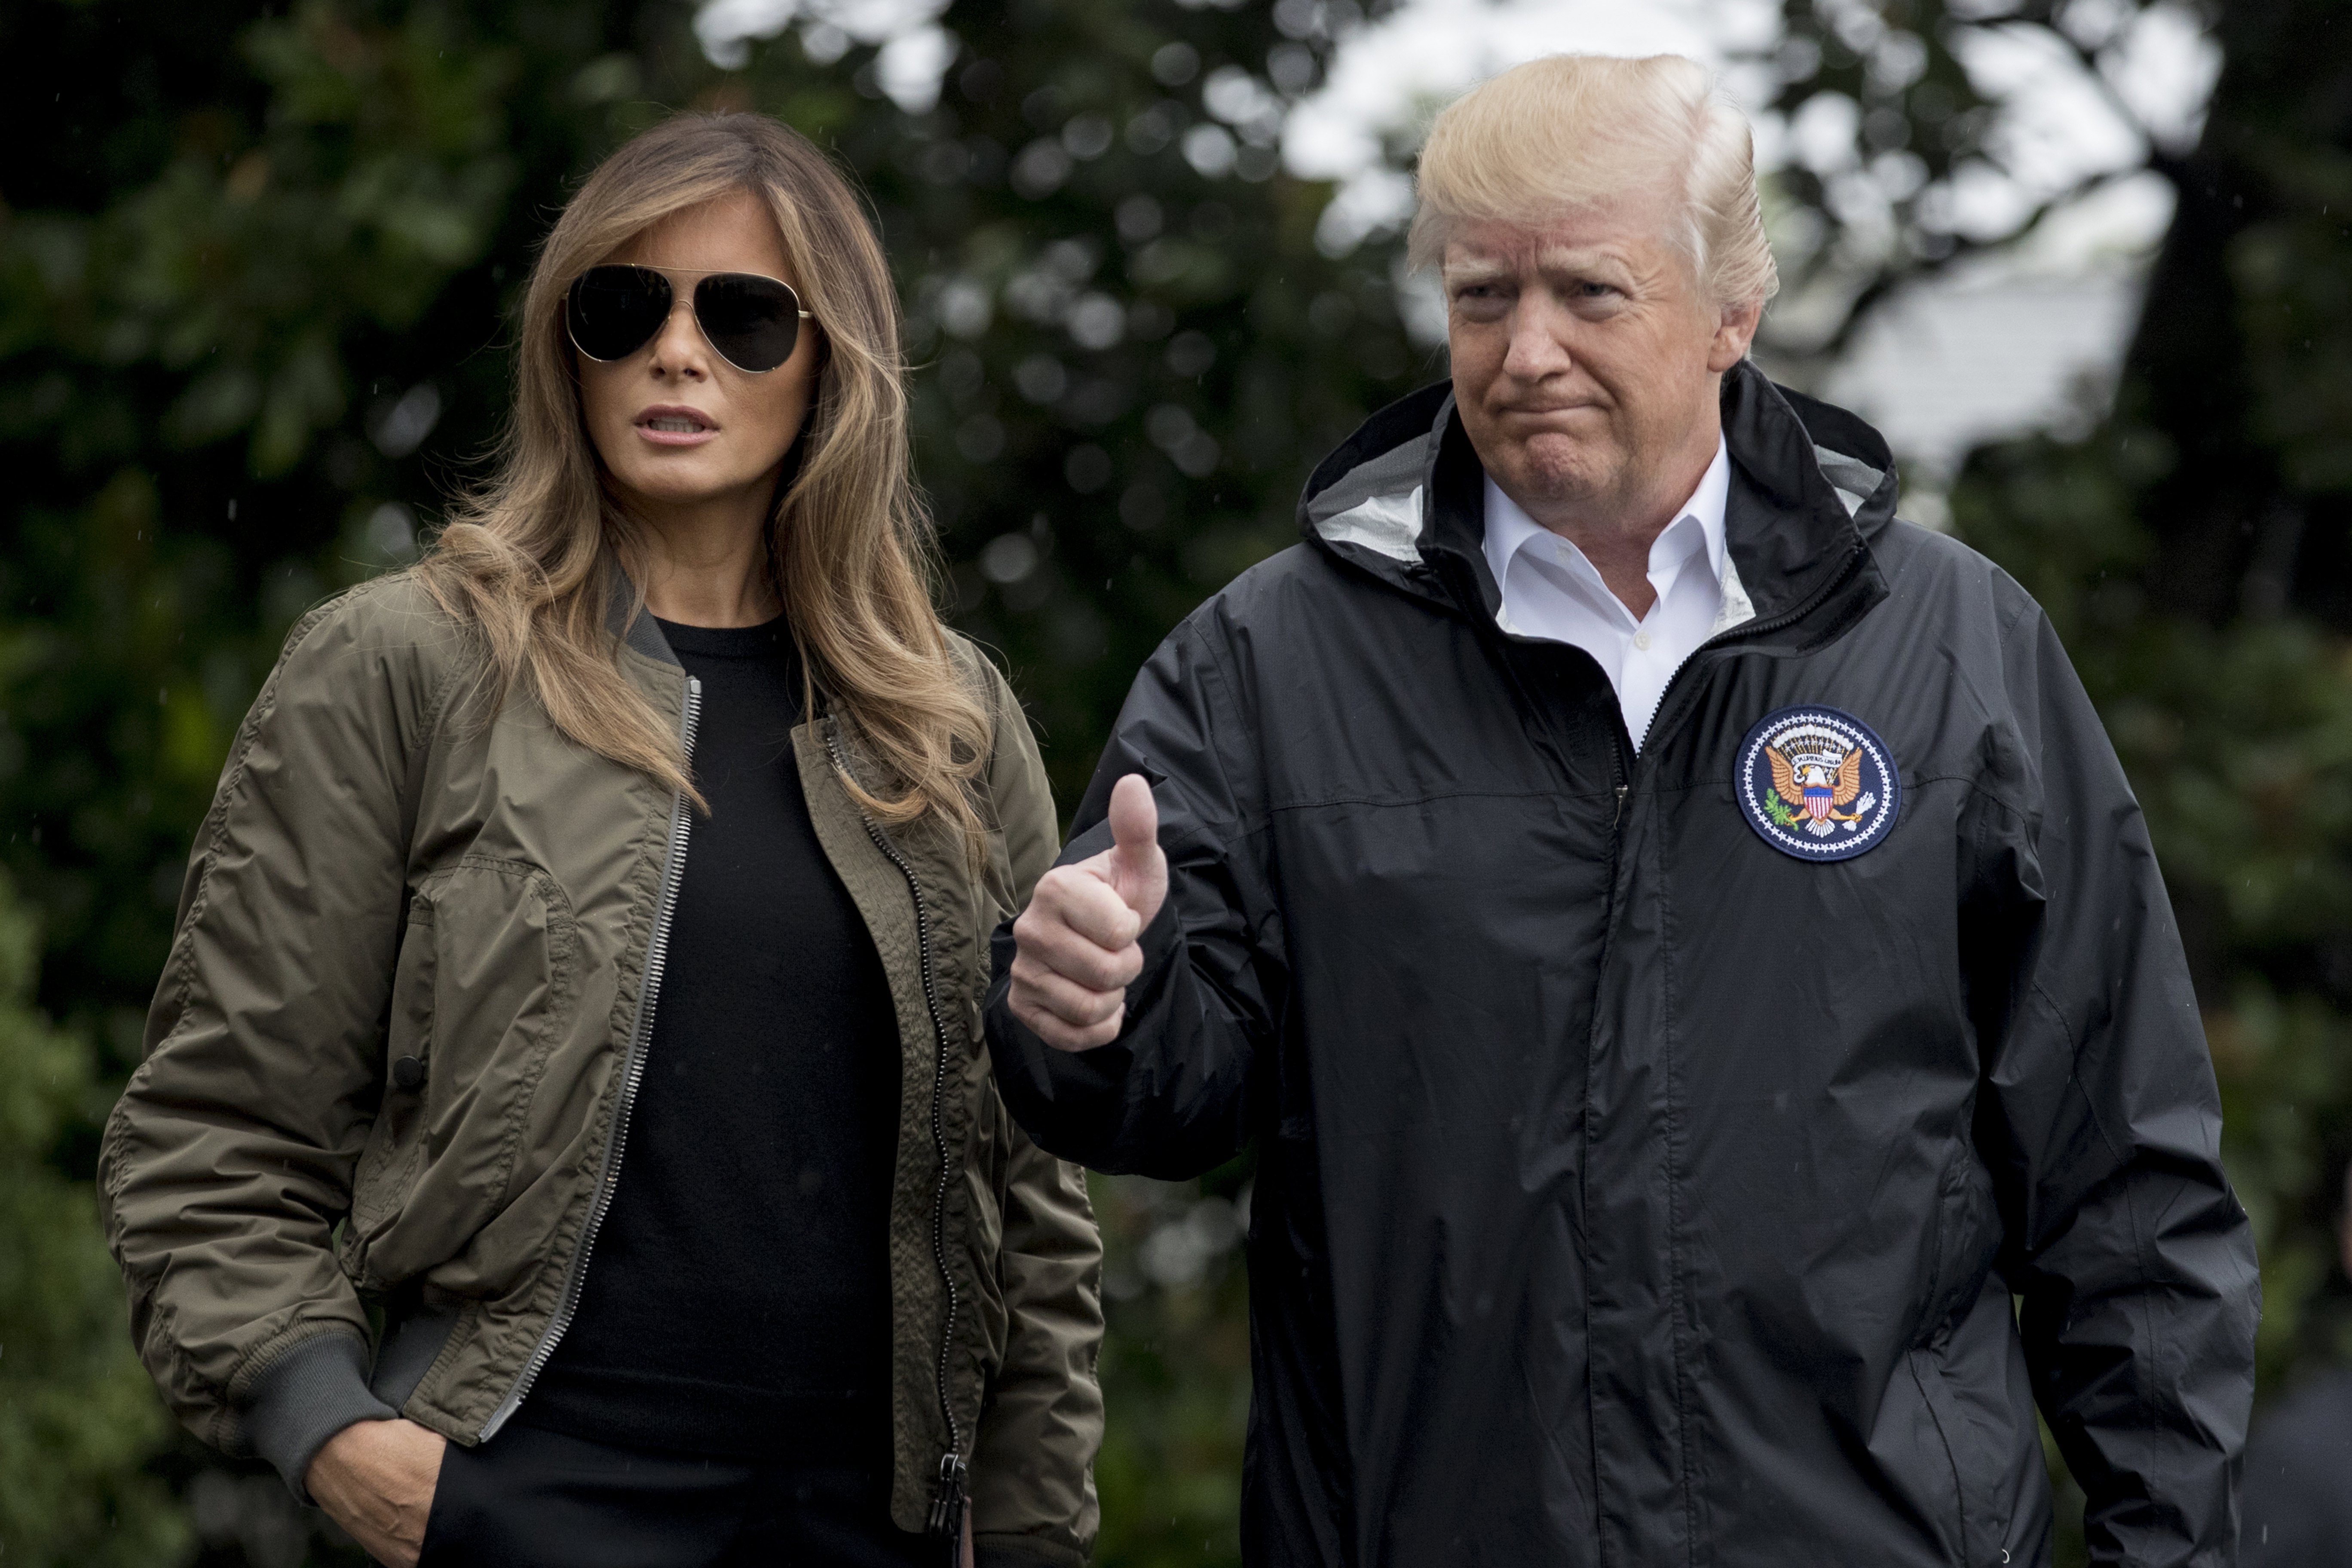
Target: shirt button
1641 641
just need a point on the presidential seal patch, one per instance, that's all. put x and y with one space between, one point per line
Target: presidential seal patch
1817 784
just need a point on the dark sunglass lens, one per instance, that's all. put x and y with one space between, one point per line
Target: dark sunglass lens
754 322
613 310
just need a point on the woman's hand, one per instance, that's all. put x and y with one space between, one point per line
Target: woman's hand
968 1562
376 1479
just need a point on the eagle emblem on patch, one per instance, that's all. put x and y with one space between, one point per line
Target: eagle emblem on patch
1817 784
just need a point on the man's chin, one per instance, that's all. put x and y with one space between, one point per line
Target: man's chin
1550 471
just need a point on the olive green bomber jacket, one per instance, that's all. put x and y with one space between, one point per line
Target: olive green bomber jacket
360 1168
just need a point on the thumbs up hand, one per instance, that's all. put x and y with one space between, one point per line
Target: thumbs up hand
1076 947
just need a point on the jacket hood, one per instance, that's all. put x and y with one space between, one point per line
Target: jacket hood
1402 498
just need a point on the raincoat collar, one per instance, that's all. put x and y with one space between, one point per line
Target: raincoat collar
1403 497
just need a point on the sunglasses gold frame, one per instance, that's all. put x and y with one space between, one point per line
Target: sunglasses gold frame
670 275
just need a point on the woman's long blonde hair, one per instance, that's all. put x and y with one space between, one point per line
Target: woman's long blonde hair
530 559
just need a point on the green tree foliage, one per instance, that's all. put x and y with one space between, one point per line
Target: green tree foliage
258 271
255 301
2191 551
1130 350
1175 1369
77 1417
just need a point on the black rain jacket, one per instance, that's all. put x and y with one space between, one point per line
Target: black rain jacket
1631 1193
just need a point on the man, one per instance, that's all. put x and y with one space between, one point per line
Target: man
1680 941
2299 1466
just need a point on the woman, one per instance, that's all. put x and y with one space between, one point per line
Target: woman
563 1136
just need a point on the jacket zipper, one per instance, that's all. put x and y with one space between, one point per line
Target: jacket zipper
1626 763
1750 629
633 1072
947 1496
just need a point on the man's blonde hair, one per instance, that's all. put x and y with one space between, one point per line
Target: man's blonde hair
1563 132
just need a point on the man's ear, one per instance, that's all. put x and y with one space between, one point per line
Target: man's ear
1735 330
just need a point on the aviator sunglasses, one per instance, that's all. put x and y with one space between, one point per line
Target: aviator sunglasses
752 321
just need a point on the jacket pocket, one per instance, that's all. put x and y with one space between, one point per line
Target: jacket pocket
1966 1529
1968 1233
395 1145
1995 1449
984 1175
484 987
1973 1380
1945 1349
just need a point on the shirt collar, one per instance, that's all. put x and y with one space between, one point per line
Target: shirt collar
1509 528
1709 503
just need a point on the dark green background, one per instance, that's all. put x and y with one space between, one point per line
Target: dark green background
256 271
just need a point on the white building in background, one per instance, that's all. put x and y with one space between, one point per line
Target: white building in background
1950 365
2028 340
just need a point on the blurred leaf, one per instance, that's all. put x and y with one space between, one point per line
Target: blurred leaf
79 1419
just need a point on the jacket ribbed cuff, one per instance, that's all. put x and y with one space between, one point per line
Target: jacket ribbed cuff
1023 1551
308 1394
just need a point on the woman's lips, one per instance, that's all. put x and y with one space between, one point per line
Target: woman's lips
675 426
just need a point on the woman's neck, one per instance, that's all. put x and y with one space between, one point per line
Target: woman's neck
707 563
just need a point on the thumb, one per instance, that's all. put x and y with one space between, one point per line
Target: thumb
1139 871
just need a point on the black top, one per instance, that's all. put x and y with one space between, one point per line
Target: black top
738 1300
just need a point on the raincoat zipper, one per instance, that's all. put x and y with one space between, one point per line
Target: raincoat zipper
947 1496
1747 629
1625 762
633 1072
1626 765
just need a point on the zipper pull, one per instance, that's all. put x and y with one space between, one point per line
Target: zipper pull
1620 816
948 1503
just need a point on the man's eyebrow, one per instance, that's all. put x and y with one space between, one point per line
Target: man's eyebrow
1579 258
1474 268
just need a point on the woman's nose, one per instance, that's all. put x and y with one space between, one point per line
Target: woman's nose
678 348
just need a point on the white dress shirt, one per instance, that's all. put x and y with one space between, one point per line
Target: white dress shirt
1552 591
